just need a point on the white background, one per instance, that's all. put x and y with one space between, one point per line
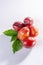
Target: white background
12 10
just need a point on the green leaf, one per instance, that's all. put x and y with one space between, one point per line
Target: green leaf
17 45
10 32
13 38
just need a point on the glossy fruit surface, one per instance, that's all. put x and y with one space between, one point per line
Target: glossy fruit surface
33 31
17 26
28 21
29 42
23 33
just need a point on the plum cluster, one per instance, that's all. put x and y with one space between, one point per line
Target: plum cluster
26 32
